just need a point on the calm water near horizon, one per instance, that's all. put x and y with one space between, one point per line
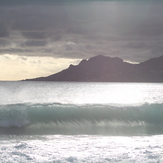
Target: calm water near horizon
81 122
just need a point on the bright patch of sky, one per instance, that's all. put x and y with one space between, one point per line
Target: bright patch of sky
15 67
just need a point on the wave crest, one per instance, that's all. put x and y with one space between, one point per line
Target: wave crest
19 115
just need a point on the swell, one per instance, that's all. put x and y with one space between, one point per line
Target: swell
84 119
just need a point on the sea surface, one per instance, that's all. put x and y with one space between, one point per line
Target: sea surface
80 122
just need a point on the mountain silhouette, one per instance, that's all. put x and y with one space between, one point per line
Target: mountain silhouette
106 69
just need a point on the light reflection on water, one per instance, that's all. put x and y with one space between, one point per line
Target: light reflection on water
81 93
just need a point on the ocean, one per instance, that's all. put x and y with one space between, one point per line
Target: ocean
81 122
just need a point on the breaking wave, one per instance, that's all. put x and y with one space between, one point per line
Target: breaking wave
80 119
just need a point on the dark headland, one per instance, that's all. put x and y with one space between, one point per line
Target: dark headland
106 69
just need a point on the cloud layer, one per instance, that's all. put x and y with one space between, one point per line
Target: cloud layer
77 30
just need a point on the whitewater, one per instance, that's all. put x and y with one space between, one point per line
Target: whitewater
81 122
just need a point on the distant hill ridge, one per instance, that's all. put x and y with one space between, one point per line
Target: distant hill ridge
106 69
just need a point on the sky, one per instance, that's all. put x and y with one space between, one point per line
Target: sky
40 38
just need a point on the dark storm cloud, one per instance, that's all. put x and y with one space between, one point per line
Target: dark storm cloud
33 18
33 43
35 35
4 31
18 51
75 30
4 43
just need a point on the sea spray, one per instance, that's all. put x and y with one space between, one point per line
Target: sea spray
14 115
